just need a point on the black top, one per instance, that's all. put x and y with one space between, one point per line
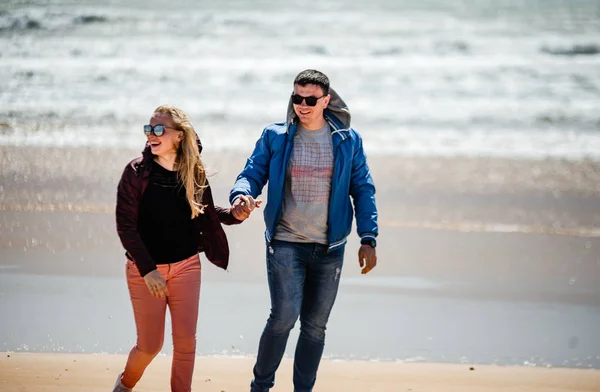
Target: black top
165 218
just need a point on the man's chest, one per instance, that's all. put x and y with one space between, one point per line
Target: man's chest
311 158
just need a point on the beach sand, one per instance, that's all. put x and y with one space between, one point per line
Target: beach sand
78 372
482 261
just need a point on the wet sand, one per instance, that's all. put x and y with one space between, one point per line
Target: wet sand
481 260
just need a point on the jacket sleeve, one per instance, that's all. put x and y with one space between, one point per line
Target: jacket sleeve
362 190
224 214
253 178
127 216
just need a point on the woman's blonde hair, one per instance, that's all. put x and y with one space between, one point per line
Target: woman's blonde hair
189 166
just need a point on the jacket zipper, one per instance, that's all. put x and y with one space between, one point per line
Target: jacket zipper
333 182
279 212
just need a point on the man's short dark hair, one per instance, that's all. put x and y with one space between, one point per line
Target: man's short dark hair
312 76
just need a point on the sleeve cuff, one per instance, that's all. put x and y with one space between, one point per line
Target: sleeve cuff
367 236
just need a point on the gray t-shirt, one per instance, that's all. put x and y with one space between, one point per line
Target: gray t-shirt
307 188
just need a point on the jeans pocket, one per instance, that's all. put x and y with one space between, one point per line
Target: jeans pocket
280 254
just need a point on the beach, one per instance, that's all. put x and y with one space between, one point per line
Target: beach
480 123
76 372
472 269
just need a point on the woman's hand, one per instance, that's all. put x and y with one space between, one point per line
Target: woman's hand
243 206
156 284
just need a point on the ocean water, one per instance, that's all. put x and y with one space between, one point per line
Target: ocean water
426 77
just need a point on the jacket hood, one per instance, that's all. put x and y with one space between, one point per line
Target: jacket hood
337 107
147 152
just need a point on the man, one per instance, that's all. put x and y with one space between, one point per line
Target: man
313 162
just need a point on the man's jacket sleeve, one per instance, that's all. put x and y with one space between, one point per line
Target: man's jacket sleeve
253 178
362 190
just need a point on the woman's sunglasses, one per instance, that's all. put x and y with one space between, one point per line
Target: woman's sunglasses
157 130
310 101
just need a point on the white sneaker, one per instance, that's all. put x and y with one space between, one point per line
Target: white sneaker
119 387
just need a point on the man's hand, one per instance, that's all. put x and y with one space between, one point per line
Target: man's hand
243 206
156 284
367 258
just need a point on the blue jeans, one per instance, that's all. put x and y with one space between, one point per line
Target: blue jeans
303 281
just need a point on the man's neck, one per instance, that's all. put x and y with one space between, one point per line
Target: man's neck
314 125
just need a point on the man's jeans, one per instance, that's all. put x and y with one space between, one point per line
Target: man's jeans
303 281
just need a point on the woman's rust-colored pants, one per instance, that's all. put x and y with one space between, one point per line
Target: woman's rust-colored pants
183 284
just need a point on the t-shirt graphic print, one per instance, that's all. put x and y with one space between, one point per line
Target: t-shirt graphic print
307 188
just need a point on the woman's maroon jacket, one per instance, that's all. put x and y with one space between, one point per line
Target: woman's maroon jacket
211 236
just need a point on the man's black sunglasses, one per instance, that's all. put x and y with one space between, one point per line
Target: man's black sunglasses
310 101
157 130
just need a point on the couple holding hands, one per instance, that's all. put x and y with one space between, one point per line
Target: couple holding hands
314 164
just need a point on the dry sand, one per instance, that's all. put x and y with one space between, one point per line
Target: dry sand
24 372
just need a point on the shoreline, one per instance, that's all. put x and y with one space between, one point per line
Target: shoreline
476 173
461 194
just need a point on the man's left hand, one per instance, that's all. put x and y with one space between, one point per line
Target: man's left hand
367 258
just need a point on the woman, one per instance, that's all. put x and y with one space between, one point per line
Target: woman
165 217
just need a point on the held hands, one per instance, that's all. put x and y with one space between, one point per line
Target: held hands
156 284
367 258
243 206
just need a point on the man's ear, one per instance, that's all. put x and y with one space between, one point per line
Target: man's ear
326 101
